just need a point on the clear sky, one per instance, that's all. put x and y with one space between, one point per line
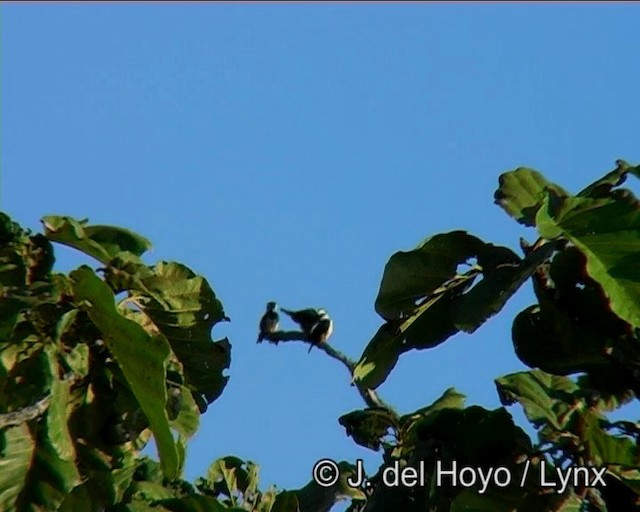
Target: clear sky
286 151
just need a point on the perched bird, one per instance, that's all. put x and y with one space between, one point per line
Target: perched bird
269 321
315 323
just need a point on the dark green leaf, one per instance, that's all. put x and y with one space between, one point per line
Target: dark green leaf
547 399
100 242
602 187
379 357
429 325
368 427
194 504
607 231
497 286
286 501
521 192
133 349
548 339
15 460
184 308
412 275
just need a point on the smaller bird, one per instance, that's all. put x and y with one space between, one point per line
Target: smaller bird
315 323
269 322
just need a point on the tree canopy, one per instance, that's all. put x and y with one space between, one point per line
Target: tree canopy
96 362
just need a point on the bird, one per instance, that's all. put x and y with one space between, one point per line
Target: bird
269 321
315 323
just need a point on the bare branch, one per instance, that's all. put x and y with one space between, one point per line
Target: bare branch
30 412
369 396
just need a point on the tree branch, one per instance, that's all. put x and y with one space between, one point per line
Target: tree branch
30 412
369 396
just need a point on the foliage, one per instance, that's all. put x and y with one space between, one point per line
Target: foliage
584 270
95 363
110 371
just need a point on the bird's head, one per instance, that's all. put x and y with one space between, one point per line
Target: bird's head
322 313
272 306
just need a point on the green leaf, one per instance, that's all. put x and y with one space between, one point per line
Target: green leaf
602 187
134 350
188 418
607 231
413 275
286 501
548 339
57 423
450 399
497 286
543 396
186 315
78 499
193 504
78 360
607 449
368 427
15 460
507 500
226 471
100 242
313 497
150 491
521 192
429 325
473 436
514 499
379 357
50 478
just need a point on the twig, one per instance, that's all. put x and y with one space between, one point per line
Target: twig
369 395
30 412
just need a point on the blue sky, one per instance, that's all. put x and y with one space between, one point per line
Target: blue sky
286 151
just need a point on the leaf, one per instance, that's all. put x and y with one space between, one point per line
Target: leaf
188 312
607 231
50 479
602 187
150 491
606 449
450 399
412 275
379 357
497 286
368 427
315 498
286 501
57 423
193 504
548 339
134 350
188 418
429 325
78 499
543 396
473 436
227 475
521 192
100 242
512 499
15 460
